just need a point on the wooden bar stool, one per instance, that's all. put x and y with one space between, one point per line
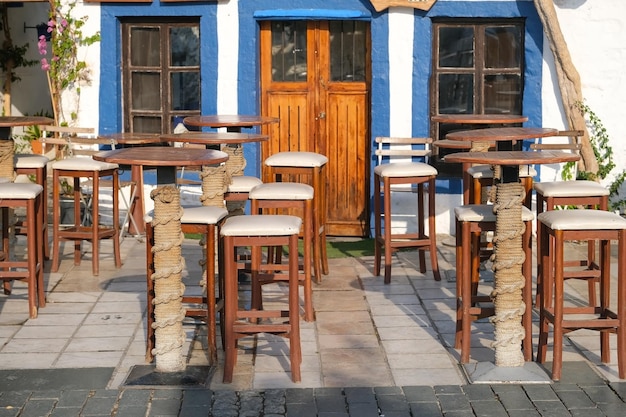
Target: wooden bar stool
205 220
278 198
36 166
75 169
422 176
558 227
257 231
239 188
292 166
28 197
579 193
471 221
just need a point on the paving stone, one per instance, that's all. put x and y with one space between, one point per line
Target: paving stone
360 395
419 394
488 408
391 403
575 399
602 394
453 402
362 410
65 412
38 408
165 406
73 398
99 406
300 410
540 392
425 409
479 392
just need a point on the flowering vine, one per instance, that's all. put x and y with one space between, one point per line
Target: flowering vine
64 70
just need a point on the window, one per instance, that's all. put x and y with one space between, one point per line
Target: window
478 68
161 74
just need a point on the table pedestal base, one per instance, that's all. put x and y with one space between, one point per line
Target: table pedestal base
488 373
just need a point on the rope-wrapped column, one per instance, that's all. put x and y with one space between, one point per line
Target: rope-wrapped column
234 167
168 286
214 180
508 259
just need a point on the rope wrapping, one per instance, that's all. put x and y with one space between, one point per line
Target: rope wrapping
507 266
168 286
235 166
213 185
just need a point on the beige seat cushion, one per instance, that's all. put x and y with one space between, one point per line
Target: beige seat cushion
484 213
282 191
578 188
405 169
582 219
296 159
261 225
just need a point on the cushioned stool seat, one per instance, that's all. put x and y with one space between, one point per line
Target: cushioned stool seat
204 220
292 166
471 221
279 197
579 193
413 173
240 186
558 227
77 168
257 231
36 166
28 197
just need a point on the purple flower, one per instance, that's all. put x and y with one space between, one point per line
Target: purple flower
41 44
44 64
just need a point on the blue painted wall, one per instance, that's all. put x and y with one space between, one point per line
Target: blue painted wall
248 79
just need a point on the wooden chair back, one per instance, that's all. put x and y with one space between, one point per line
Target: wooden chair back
389 147
572 145
70 141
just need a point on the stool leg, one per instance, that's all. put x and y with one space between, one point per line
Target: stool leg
56 215
527 293
421 229
459 287
621 305
32 245
150 338
387 227
295 350
466 294
230 308
605 295
210 293
39 231
557 351
432 234
377 226
542 260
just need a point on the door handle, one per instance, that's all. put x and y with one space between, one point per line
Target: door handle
322 115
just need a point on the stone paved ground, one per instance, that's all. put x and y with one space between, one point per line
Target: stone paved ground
373 350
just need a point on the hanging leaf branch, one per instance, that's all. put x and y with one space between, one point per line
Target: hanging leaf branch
65 71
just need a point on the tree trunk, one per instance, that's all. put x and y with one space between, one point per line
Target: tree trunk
569 81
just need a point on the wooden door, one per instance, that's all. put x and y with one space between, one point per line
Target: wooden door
315 78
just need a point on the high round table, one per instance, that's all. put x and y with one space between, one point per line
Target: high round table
232 144
136 172
505 138
232 123
508 252
168 237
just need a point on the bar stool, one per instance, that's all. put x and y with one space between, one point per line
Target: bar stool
313 165
28 197
77 168
257 231
36 166
207 221
239 188
471 221
588 194
559 226
278 197
416 174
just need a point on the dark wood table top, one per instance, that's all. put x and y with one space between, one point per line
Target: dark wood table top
512 157
234 120
502 134
482 119
10 121
133 138
214 138
457 144
161 156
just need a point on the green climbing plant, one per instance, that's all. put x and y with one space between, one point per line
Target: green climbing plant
600 143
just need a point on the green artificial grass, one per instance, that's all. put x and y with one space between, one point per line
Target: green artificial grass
350 248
